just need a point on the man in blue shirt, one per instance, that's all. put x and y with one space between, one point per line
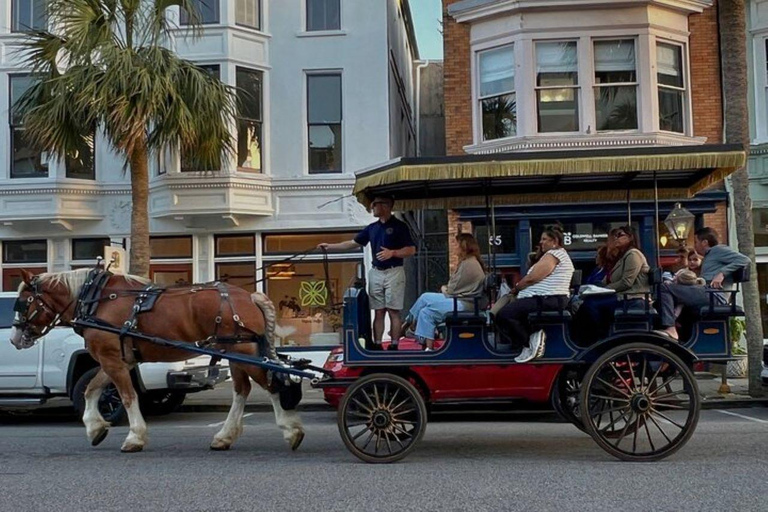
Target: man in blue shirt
720 262
391 243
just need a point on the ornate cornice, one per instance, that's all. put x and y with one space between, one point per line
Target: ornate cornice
540 143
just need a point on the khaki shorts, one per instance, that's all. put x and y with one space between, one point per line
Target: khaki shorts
386 288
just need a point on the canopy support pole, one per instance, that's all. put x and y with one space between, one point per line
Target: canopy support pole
656 251
629 207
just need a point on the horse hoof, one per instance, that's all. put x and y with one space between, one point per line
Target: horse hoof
96 441
131 448
296 441
220 446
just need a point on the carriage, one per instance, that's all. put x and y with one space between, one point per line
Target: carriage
634 392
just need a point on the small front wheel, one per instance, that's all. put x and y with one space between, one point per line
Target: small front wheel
381 418
643 402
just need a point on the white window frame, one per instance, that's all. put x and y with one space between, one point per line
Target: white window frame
636 84
479 98
304 30
260 15
243 259
81 263
760 91
577 87
48 257
305 121
684 65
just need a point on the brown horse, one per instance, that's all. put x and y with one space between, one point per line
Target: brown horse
185 314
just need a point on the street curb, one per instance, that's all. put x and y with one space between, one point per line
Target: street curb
732 403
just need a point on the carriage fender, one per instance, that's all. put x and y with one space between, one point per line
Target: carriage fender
591 354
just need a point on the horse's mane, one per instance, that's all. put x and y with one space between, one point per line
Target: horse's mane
73 280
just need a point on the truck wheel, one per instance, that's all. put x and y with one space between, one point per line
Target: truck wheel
159 403
110 405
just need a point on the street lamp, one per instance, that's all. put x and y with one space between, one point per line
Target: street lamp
679 222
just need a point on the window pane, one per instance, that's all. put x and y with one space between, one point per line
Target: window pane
669 60
249 93
760 222
207 11
499 117
615 61
249 145
247 13
88 248
291 244
616 108
28 15
81 165
235 245
558 110
238 274
324 99
497 71
19 85
670 110
556 64
325 148
171 275
25 251
170 247
323 15
27 162
303 302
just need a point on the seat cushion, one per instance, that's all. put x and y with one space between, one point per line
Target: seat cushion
721 310
632 313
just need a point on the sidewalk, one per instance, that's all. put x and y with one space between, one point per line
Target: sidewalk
220 399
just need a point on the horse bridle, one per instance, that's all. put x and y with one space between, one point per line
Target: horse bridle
23 317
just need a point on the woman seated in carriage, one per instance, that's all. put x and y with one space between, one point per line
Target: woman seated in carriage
546 286
627 277
465 284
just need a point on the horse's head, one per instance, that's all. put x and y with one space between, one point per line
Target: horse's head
39 308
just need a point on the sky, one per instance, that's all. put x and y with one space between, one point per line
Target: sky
426 17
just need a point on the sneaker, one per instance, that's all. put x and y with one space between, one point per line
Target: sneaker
392 346
525 356
537 342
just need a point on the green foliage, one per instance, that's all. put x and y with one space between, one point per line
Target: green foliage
109 66
738 327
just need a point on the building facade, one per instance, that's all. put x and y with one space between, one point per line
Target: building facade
331 91
577 75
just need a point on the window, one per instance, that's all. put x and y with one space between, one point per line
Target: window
88 248
186 163
81 165
498 102
248 13
324 116
26 161
557 87
28 15
306 302
235 260
170 260
615 85
31 255
249 122
323 15
207 12
669 62
760 225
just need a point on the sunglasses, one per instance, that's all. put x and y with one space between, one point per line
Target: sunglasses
620 235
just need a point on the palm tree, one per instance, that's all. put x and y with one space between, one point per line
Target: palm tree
733 51
107 67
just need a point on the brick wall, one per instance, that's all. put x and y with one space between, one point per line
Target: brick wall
705 85
718 221
458 92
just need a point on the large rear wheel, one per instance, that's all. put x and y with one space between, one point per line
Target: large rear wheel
643 402
381 418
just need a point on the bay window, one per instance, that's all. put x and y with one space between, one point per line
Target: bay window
498 102
615 85
26 160
249 121
671 84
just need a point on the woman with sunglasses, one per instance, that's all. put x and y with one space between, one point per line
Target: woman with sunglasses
628 278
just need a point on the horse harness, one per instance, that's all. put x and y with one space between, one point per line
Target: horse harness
92 294
21 307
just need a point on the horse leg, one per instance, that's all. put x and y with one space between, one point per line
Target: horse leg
96 427
233 426
137 433
289 422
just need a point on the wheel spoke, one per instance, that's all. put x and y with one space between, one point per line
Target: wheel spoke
611 410
363 407
634 434
668 395
389 444
368 441
359 414
642 375
670 380
376 396
632 372
618 419
367 397
360 434
660 429
393 409
407 411
397 438
378 440
670 405
394 396
681 427
628 422
615 399
621 392
648 433
623 379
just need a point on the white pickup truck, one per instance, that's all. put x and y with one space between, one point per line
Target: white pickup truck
60 366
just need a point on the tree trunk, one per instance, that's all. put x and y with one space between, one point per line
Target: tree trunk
733 51
139 160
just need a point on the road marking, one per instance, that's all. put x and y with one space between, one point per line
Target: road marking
220 423
742 416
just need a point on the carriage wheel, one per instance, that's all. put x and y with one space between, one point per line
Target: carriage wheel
643 402
381 418
566 396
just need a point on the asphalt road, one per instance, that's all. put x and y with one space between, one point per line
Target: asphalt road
522 462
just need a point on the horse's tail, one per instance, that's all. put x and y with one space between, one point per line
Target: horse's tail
267 308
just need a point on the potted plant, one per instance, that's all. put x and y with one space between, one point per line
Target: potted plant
737 368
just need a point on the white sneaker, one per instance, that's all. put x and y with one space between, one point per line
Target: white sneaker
537 342
525 356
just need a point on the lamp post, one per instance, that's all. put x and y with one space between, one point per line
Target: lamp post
679 223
